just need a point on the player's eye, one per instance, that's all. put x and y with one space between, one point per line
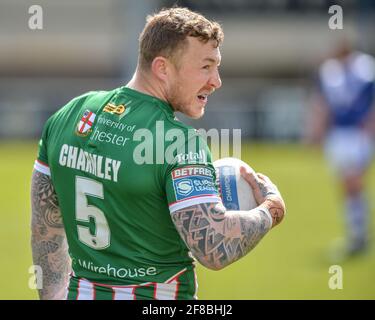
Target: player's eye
206 67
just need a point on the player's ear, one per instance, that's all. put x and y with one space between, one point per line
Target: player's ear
159 67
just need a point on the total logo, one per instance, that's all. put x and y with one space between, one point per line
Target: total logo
184 187
193 157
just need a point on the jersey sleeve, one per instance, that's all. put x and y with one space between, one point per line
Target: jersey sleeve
41 162
191 178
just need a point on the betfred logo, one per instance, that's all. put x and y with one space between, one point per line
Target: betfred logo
191 171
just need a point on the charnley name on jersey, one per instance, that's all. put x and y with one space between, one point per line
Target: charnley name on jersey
99 166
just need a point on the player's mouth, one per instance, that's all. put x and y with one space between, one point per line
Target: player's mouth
202 98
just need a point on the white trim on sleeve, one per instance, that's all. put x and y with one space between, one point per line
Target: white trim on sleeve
190 202
42 167
268 214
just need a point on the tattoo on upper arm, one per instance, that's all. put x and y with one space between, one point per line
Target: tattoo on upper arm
217 239
48 241
44 201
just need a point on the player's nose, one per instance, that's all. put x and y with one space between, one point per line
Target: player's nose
215 80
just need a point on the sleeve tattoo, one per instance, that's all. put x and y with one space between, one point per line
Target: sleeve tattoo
216 237
48 240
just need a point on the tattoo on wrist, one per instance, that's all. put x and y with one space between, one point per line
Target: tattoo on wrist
276 210
277 214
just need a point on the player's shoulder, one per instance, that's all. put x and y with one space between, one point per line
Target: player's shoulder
73 106
178 128
93 96
91 99
329 69
86 95
175 123
363 57
363 65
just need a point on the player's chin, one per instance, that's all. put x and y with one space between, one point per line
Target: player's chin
196 112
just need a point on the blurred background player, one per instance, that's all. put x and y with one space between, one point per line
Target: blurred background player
343 118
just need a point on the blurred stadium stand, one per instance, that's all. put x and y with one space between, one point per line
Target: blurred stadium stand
270 53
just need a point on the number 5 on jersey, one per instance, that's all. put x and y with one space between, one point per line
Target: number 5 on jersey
101 239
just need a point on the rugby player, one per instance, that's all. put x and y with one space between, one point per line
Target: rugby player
115 218
343 119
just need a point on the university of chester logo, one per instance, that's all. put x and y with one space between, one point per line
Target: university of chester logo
113 109
84 125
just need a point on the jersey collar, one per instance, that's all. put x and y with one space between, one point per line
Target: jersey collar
161 103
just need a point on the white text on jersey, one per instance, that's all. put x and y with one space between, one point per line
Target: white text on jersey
102 167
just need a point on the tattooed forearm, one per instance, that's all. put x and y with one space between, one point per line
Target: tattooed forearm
48 240
217 237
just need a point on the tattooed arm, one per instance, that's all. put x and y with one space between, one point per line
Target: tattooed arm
217 237
48 240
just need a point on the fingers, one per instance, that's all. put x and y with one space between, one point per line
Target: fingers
272 188
261 185
256 180
256 185
251 178
264 178
265 190
248 175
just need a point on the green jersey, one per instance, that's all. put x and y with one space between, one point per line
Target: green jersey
121 164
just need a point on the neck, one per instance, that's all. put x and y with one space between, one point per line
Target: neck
145 83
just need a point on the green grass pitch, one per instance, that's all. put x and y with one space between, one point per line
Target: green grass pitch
290 262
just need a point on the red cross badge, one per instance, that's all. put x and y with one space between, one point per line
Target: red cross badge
86 122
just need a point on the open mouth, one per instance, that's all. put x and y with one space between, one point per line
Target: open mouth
202 97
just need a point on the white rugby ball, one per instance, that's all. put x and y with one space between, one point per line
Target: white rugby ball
234 190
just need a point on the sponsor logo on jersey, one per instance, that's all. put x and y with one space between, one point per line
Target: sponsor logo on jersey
192 182
112 271
184 187
111 108
191 171
118 110
123 127
84 125
192 157
108 137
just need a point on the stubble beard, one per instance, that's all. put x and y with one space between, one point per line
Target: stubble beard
176 99
183 106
